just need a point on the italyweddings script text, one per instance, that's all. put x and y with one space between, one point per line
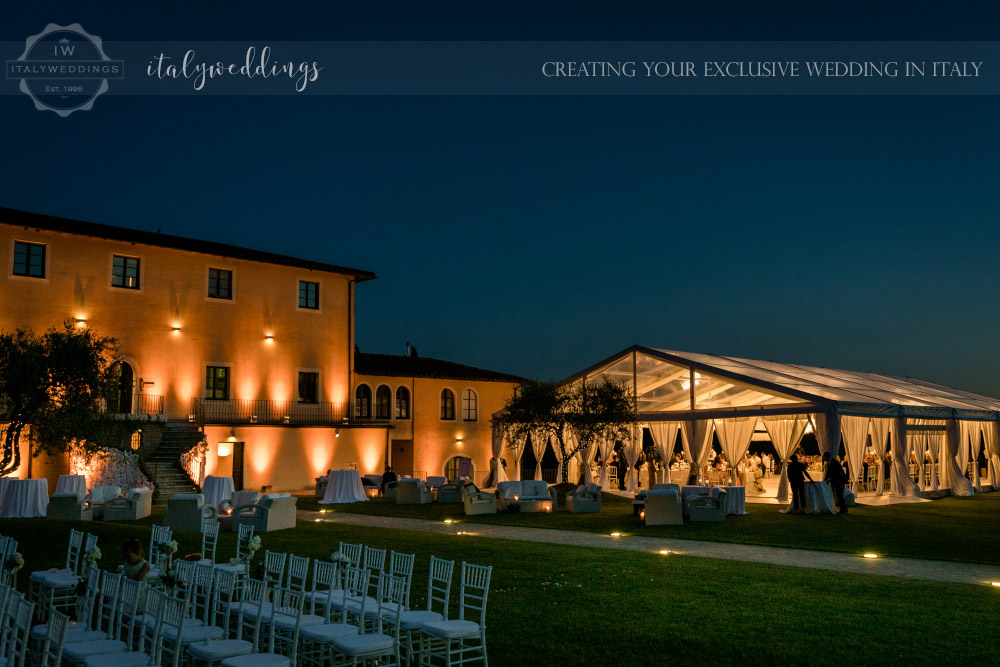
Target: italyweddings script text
165 67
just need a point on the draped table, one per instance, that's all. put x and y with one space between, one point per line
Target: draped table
736 497
343 486
216 489
818 499
25 498
72 484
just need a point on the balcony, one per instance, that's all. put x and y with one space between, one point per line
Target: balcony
138 404
249 412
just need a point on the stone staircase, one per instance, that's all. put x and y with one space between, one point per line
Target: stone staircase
164 465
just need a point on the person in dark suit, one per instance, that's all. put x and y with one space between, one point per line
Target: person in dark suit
796 479
387 476
838 480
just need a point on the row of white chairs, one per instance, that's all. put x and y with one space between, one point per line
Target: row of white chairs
16 615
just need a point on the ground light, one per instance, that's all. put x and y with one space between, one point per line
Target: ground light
995 583
449 521
871 555
664 552
616 534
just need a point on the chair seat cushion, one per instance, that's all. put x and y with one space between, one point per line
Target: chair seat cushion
133 659
450 629
85 636
42 629
321 596
242 567
188 622
39 575
286 622
364 644
220 650
77 651
60 580
257 660
327 632
194 634
250 609
411 620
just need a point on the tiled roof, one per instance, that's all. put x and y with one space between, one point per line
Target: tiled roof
392 365
95 230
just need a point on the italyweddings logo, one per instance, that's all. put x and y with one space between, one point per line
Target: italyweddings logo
188 67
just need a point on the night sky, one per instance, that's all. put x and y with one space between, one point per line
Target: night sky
538 235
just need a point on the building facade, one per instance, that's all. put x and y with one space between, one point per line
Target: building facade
255 348
440 410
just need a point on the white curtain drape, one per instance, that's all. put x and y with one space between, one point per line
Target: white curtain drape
498 445
697 434
570 441
664 437
977 445
880 429
539 441
855 432
786 434
517 445
902 485
632 448
934 444
918 445
734 437
587 457
991 433
827 433
956 435
604 448
962 455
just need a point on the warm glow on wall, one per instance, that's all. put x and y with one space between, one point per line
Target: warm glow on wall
81 320
269 338
319 456
225 449
176 328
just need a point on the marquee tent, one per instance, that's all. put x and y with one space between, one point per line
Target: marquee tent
697 393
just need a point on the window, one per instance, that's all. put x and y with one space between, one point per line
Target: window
217 383
447 404
29 259
308 387
470 406
402 403
363 401
457 467
308 295
383 395
125 272
220 284
135 442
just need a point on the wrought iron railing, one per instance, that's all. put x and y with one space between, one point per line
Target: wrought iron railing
141 404
277 413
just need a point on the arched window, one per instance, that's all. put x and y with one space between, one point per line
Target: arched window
458 466
470 406
363 401
402 403
383 396
447 405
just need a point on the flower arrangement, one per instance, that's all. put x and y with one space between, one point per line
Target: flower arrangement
340 558
93 556
108 467
193 461
14 563
253 546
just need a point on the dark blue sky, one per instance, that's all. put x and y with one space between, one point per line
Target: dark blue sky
538 235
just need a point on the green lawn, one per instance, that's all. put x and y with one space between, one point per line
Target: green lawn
554 605
958 529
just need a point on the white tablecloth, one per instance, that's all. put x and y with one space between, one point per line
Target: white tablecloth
343 486
72 484
25 498
217 489
818 499
736 499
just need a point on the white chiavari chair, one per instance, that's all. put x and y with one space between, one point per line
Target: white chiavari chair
52 649
378 644
438 598
461 640
224 609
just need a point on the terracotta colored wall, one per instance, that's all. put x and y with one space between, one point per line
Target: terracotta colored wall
174 293
435 441
288 459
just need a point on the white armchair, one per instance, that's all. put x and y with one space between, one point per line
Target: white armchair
586 498
68 507
413 492
664 507
709 508
478 502
100 495
274 511
187 511
138 504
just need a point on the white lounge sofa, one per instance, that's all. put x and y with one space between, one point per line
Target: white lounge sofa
413 492
709 508
478 502
138 504
188 511
100 495
68 507
274 511
530 496
586 498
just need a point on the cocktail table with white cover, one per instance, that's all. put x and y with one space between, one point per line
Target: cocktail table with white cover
25 498
216 489
736 499
72 484
818 498
343 486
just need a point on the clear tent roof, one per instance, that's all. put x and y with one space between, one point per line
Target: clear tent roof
663 384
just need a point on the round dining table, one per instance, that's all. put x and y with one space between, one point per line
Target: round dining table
216 489
818 499
25 498
72 484
344 486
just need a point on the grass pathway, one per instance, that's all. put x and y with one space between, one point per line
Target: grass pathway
908 568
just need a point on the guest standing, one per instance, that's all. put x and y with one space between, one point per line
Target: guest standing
838 479
796 479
